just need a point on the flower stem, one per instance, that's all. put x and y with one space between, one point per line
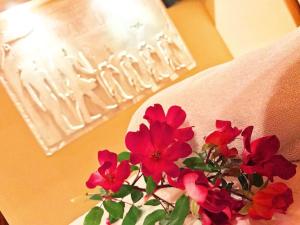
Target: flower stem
138 176
156 196
240 195
208 154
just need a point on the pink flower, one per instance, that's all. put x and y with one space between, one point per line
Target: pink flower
177 182
110 175
175 118
156 150
223 136
216 205
275 198
260 156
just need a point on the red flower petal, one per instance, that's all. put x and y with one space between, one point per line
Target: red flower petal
224 134
264 148
175 116
107 156
276 197
139 143
228 152
220 124
161 135
281 167
178 150
155 114
184 134
123 170
247 132
171 169
95 180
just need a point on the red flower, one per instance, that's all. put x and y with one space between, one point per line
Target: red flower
156 150
260 157
216 205
109 176
175 118
275 198
224 135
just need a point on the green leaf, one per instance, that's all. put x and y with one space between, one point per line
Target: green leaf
153 202
112 219
123 156
134 168
229 186
124 191
180 211
132 216
136 195
94 216
257 180
150 186
166 220
244 182
154 217
198 164
193 161
115 209
102 191
96 197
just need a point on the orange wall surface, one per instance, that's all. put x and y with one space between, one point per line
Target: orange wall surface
36 189
250 24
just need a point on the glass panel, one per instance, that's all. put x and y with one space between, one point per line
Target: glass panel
70 65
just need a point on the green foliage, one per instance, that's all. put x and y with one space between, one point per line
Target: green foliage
197 163
153 202
115 209
123 156
179 213
193 162
257 180
134 168
136 195
124 191
154 217
96 197
94 216
150 185
112 219
244 182
132 216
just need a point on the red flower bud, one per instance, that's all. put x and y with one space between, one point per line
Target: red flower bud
275 198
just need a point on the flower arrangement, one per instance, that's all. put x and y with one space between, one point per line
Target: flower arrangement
217 183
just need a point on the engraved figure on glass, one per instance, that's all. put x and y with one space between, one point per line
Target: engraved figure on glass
79 87
155 65
171 51
109 77
44 92
134 73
